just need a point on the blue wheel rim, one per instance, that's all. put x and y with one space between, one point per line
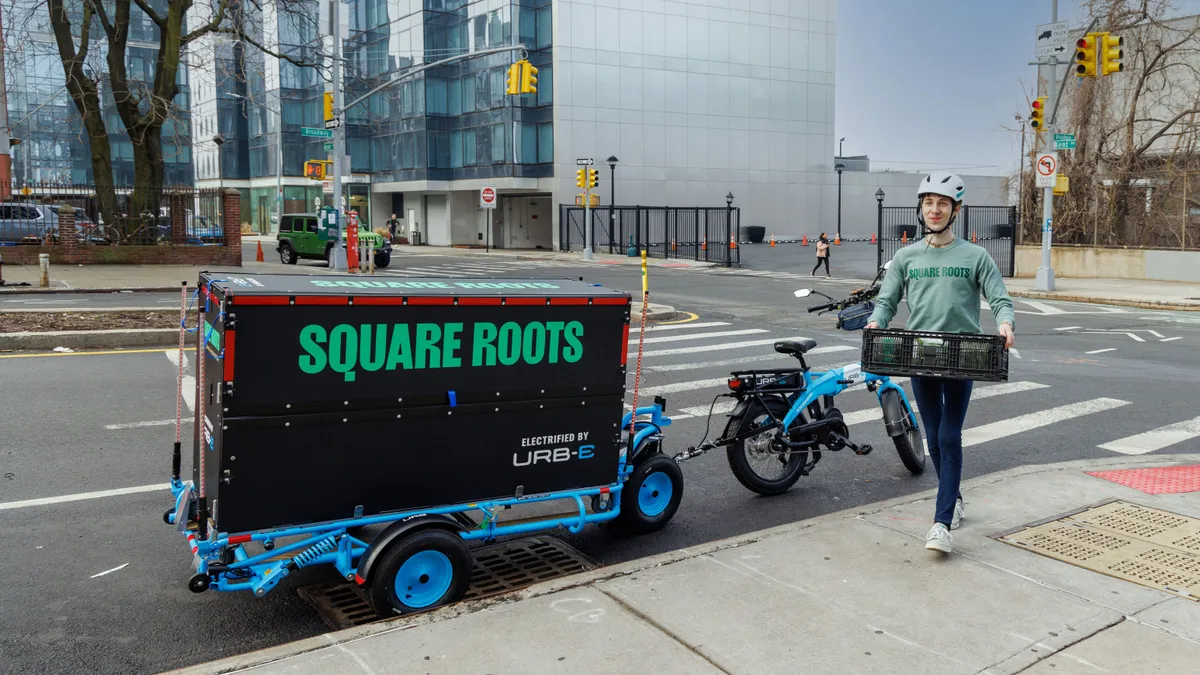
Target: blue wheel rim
424 578
655 494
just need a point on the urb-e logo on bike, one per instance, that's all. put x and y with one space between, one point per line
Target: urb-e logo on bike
562 453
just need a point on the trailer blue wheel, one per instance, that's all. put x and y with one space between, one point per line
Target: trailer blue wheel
652 494
427 568
424 578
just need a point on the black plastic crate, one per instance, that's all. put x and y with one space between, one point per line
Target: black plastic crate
957 356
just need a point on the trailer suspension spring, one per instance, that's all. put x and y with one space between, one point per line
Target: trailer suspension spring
310 554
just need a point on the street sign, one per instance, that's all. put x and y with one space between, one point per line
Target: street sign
1047 168
333 123
487 198
328 147
585 161
1064 145
1051 38
1064 137
313 132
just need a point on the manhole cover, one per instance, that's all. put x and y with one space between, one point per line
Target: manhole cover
499 568
1146 546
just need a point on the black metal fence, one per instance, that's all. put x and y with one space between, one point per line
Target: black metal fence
30 214
692 233
992 227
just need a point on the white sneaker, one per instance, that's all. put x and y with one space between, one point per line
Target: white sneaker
960 510
939 539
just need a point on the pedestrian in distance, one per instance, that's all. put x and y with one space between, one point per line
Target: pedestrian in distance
942 278
393 224
822 255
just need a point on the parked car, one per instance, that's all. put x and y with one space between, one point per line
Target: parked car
30 223
301 236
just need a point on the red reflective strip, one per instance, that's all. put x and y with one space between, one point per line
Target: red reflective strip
604 490
610 301
369 300
260 299
625 345
479 301
430 301
568 301
240 539
526 301
322 300
359 580
230 339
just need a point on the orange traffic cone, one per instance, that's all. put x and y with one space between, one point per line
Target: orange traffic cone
732 243
704 244
904 237
837 240
259 255
804 241
974 238
873 238
772 240
672 243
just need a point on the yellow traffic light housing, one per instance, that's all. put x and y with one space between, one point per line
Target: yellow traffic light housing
579 177
1037 114
1111 54
528 81
328 106
314 169
1085 56
514 77
592 173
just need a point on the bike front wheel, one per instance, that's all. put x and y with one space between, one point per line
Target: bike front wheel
752 460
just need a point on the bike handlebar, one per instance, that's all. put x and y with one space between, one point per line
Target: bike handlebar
819 308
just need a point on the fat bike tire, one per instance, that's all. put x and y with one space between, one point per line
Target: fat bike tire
737 452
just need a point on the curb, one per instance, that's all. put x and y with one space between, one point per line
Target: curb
29 290
87 339
299 647
1141 304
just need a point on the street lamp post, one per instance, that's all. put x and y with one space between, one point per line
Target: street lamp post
879 229
729 226
612 203
839 168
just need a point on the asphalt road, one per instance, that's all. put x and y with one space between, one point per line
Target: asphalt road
100 583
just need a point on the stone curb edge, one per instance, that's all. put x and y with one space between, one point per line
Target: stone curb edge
299 647
1142 304
89 339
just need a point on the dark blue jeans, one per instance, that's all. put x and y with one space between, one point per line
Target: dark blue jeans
943 408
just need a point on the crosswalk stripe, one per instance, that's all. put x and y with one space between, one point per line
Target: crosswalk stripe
1034 420
676 387
1155 439
713 348
699 336
768 356
876 413
685 326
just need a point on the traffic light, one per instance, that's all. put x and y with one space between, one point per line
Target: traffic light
1110 54
1037 114
314 169
592 173
514 77
328 106
1085 56
579 177
528 81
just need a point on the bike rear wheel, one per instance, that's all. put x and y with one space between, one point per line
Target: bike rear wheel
909 443
751 457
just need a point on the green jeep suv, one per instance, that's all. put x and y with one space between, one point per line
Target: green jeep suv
301 236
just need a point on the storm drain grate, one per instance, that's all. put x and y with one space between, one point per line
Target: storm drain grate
1146 546
499 568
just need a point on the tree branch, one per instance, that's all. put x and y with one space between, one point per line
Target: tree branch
210 27
154 16
98 7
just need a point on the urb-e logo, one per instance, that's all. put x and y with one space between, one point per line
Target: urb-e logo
551 456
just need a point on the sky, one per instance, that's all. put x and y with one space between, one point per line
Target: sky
936 84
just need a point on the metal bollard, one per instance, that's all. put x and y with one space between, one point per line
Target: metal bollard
44 263
371 256
1 270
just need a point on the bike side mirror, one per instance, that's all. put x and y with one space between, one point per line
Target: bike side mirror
887 265
803 293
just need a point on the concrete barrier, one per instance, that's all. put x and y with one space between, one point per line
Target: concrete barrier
1112 263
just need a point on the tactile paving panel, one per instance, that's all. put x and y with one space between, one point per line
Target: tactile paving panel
1145 546
499 568
1156 480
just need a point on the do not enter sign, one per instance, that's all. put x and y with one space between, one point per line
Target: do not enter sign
487 198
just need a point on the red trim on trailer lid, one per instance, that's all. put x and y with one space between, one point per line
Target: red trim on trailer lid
479 301
610 301
259 299
430 300
372 300
625 345
230 339
525 301
322 300
569 301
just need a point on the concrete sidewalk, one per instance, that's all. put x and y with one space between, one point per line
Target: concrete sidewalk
852 592
1144 293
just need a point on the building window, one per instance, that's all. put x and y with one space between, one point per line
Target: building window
499 146
537 144
544 28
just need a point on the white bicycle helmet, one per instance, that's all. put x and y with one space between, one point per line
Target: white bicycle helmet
943 183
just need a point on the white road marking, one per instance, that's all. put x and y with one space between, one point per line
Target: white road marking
189 381
876 413
714 348
1170 339
139 425
685 326
747 359
1069 328
43 501
1043 308
115 569
1101 351
1155 439
1114 332
1014 352
1034 420
676 387
700 336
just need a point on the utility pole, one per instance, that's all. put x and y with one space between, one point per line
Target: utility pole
5 141
339 134
1045 273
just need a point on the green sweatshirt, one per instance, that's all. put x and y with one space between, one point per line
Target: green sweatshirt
942 286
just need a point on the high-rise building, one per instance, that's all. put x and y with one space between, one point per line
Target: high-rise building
693 98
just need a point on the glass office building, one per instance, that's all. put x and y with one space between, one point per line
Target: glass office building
696 99
54 147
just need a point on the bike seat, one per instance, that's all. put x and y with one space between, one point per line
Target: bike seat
794 347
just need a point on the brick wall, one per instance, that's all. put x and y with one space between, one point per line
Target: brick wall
68 250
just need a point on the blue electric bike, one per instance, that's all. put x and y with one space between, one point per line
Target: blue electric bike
767 429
